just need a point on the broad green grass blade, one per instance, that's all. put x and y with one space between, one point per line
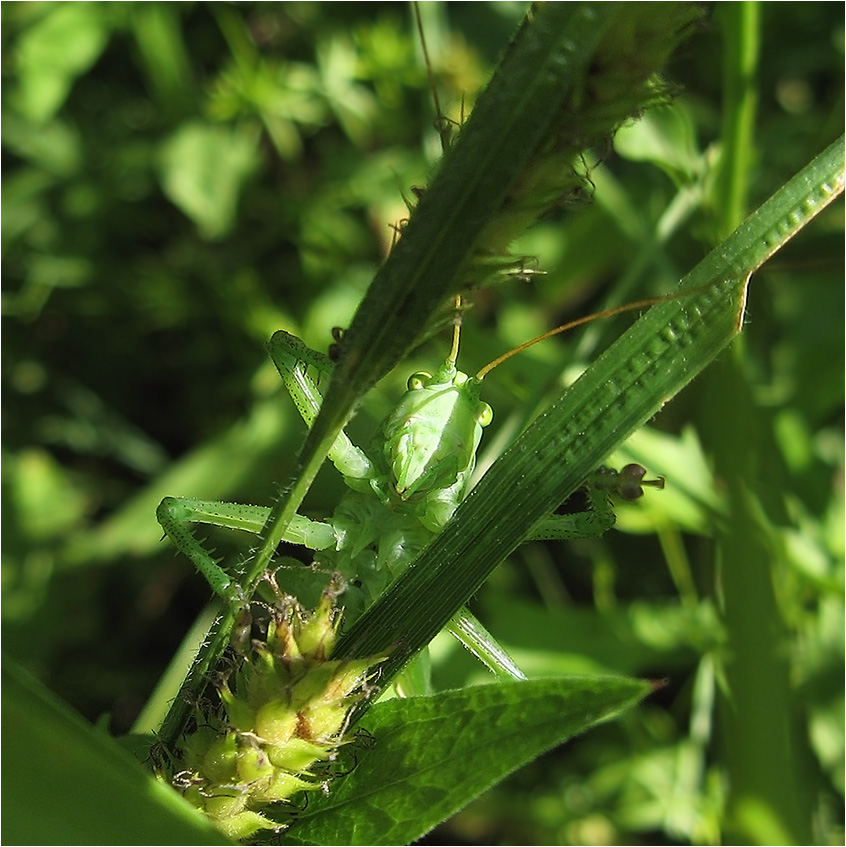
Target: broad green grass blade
98 794
650 363
432 755
758 700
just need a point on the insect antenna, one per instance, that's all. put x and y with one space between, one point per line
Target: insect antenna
596 316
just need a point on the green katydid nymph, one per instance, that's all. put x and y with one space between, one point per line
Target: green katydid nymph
403 491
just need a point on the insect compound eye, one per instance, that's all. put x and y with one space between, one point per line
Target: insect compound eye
418 380
484 414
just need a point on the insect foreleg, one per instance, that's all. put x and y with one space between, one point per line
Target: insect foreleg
293 360
415 677
592 523
599 517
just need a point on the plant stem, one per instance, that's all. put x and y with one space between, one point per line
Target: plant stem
741 26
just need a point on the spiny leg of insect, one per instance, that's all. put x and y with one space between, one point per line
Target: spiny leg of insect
175 515
473 635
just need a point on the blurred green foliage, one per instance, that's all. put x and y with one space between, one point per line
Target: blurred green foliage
179 180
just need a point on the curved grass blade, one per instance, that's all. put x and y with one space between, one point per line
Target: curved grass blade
99 794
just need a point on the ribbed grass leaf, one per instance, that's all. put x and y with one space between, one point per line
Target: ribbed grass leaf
640 372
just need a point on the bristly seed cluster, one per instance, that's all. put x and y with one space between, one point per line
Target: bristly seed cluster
285 710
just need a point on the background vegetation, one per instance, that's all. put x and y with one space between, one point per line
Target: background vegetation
182 179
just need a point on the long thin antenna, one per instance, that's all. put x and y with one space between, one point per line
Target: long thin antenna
605 313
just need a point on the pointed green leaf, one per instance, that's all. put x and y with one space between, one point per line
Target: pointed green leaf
432 755
203 167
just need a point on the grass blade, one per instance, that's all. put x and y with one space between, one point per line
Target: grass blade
660 354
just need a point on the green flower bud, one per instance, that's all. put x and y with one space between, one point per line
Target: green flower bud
317 635
282 641
253 764
313 685
197 745
323 723
297 754
240 714
276 722
224 805
347 677
219 763
286 708
284 785
243 825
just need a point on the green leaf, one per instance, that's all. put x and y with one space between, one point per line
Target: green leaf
666 136
203 168
53 52
98 794
43 495
432 755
